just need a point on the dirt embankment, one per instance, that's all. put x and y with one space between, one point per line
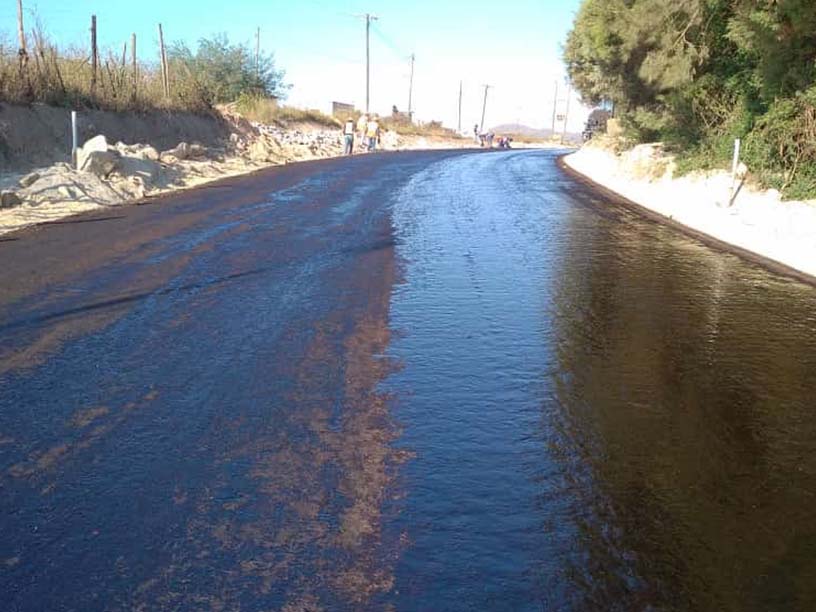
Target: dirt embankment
127 157
733 212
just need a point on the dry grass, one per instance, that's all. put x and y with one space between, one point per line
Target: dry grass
64 77
428 129
266 110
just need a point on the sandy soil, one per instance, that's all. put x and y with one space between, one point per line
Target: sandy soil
758 221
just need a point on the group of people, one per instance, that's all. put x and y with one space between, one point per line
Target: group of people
367 132
485 139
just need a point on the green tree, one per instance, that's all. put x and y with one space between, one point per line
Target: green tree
641 53
223 71
698 73
780 38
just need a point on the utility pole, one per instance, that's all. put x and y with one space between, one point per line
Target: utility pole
258 53
369 18
484 108
555 109
411 91
566 113
460 107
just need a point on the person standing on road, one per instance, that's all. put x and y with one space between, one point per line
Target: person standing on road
373 133
362 125
348 135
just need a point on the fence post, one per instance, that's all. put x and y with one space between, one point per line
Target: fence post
22 52
21 30
94 56
165 73
135 74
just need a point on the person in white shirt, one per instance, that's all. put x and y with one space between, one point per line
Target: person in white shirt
362 124
348 135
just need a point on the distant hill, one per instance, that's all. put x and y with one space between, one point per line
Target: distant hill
521 130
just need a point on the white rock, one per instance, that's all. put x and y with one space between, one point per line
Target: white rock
97 144
29 179
100 163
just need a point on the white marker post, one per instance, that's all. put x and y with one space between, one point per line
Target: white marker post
74 138
734 169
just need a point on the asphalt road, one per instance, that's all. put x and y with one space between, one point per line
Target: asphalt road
426 380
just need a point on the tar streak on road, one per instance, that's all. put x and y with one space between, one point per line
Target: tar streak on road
425 381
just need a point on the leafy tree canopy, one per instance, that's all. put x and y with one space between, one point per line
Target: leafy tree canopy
700 72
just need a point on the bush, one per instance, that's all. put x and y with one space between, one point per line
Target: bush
220 72
781 149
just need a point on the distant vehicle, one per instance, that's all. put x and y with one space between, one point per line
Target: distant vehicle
596 124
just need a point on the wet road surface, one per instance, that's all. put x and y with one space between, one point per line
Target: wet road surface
425 381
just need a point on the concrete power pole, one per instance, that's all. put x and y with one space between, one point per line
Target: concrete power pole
411 91
555 109
369 18
460 107
484 108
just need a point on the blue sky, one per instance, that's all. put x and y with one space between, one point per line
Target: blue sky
514 45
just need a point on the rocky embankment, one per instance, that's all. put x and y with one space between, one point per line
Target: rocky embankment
736 213
111 174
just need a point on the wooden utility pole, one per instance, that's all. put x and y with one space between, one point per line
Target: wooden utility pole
555 107
460 107
165 74
94 55
134 67
411 91
566 113
484 108
258 53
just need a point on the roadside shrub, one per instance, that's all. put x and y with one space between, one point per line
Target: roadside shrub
220 72
781 149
